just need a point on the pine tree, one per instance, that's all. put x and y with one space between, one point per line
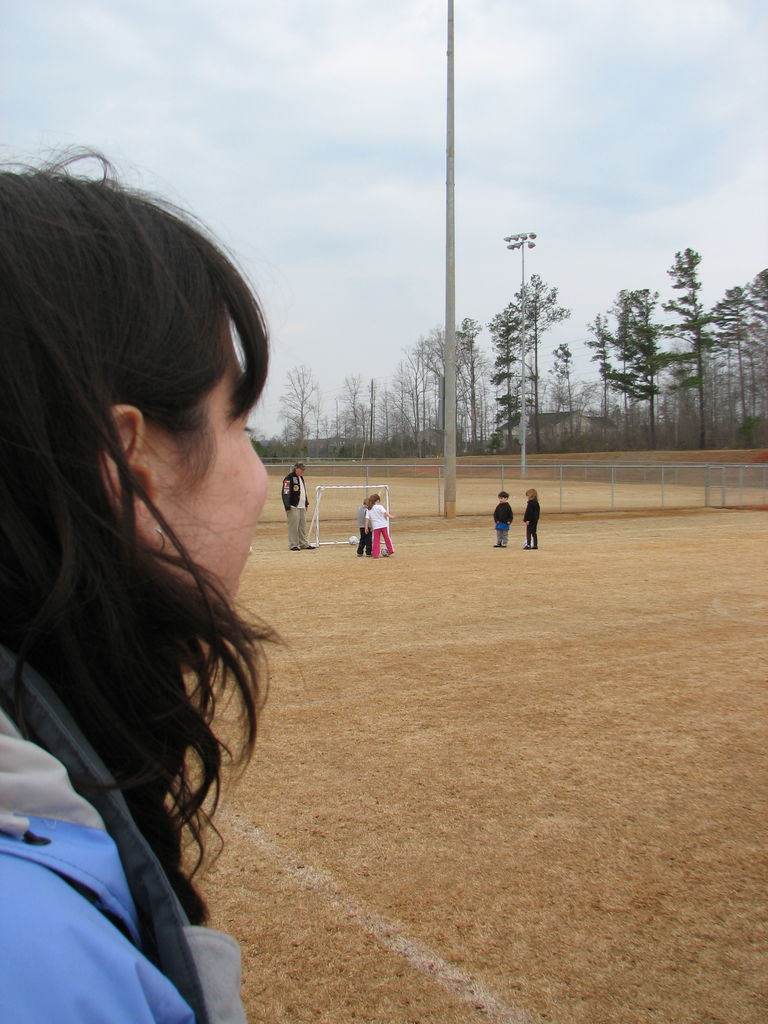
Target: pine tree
621 343
601 346
692 330
731 316
758 355
505 338
642 357
561 373
542 312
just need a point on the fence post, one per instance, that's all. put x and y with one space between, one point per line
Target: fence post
613 485
561 487
662 485
706 486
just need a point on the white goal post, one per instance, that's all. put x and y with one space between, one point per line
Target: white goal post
337 512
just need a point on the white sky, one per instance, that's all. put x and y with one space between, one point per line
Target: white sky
310 137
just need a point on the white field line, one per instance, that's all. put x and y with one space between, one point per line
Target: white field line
420 957
760 606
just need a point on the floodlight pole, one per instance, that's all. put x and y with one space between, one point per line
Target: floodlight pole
449 403
519 242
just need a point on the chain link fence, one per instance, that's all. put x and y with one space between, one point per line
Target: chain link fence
417 487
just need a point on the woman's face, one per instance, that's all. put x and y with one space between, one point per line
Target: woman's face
214 515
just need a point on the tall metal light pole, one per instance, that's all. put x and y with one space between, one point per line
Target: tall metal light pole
519 242
449 405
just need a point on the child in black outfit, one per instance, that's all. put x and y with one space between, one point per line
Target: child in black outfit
366 535
531 520
502 516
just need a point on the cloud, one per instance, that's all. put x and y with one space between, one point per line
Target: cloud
311 138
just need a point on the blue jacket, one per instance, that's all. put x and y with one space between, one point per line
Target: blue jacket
70 956
90 930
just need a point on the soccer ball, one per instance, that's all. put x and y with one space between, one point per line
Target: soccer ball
352 539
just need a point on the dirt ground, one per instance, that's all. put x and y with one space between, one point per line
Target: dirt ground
508 786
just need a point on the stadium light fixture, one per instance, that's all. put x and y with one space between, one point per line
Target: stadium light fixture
520 241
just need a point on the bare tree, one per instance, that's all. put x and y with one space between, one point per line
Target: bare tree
383 415
317 415
469 373
417 386
298 404
353 411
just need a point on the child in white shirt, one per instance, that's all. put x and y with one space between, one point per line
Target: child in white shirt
376 520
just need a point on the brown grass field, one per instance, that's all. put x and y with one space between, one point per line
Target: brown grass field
507 786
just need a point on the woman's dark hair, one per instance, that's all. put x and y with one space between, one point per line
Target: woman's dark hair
108 296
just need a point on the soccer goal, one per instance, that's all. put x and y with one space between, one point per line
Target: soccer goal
335 511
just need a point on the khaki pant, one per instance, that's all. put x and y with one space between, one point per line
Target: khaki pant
297 527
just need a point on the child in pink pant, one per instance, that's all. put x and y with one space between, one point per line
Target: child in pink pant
376 520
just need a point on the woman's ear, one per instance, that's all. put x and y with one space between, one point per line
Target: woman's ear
131 430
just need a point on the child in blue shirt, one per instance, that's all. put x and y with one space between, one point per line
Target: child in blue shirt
502 516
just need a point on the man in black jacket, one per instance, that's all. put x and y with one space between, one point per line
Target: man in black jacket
296 502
